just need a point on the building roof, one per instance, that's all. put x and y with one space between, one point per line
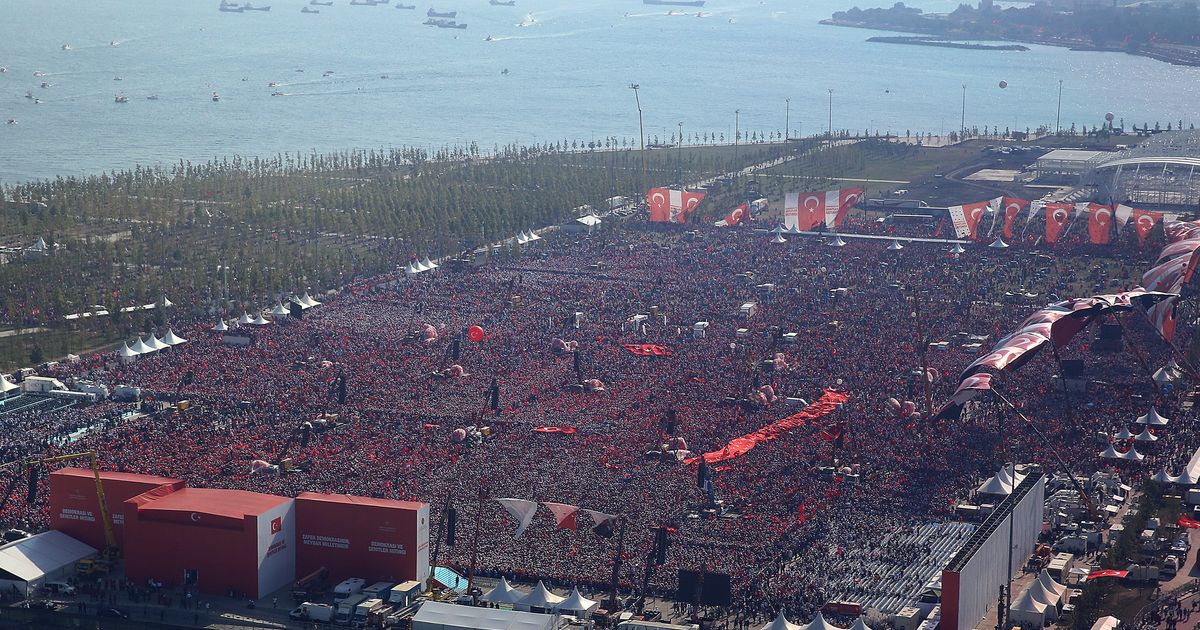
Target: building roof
349 499
112 475
439 615
209 507
32 558
1073 155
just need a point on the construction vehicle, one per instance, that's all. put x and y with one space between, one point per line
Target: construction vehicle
111 552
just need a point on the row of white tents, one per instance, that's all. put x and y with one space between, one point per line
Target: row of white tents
421 266
1189 477
1150 419
894 246
277 312
818 623
540 599
1041 603
149 345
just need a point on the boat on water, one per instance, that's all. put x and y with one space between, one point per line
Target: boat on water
528 20
37 101
409 7
309 10
319 3
251 7
114 43
443 23
503 3
12 121
45 85
434 13
66 47
216 97
675 3
273 84
327 73
229 7
278 94
29 94
121 98
38 73
152 97
489 38
3 69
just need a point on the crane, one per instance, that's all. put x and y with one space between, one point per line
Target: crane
111 550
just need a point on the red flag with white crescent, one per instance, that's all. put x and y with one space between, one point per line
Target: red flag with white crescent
1057 215
735 216
1144 222
847 199
1100 224
659 200
1012 210
671 206
973 212
1162 316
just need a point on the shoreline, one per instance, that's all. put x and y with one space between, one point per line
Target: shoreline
1175 57
938 42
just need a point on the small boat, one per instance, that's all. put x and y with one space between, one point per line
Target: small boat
434 13
406 6
273 84
384 76
3 69
45 85
114 43
66 47
216 97
503 3
29 94
12 121
277 94
504 72
327 73
118 79
528 20
251 7
38 73
489 38
309 10
121 98
230 7
319 3
37 101
152 97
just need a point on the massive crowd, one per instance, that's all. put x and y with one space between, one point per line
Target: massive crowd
788 524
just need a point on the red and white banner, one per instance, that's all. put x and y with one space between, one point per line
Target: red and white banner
808 211
1100 220
1012 209
522 511
1057 216
1162 315
564 514
735 216
672 206
1107 573
1188 522
1144 222
966 218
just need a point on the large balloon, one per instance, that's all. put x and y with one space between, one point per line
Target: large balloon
475 333
678 444
893 404
1109 117
909 407
259 465
428 332
1003 84
458 435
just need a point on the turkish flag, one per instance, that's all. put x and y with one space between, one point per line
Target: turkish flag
804 211
847 199
1103 573
1012 210
973 212
1190 523
735 216
1057 215
1099 223
1144 221
277 525
671 206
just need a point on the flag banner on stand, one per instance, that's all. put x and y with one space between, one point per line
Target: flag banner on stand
672 206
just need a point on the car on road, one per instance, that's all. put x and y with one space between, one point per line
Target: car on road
112 613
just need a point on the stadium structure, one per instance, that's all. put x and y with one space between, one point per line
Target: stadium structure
1159 173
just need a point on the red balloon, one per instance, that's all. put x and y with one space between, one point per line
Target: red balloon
475 333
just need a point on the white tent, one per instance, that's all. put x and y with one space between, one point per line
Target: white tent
1146 435
166 302
1153 418
504 593
1191 473
7 386
957 249
795 229
1028 610
220 327
306 300
999 244
27 563
540 599
420 267
410 270
260 320
1162 375
859 624
140 348
1050 598
895 246
1106 623
837 241
159 343
244 319
578 605
819 623
1051 585
778 239
1163 476
1123 434
1110 452
780 623
430 263
171 339
1132 455
435 615
1001 483
520 239
280 310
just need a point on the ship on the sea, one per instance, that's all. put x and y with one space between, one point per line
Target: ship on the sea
251 7
444 23
675 3
503 3
406 6
309 10
229 7
441 14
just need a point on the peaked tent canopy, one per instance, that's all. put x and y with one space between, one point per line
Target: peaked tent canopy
1123 434
280 310
999 244
158 344
577 603
245 318
895 246
541 597
140 348
780 623
7 386
220 327
1146 435
819 623
260 320
859 624
837 242
1132 455
1153 418
957 249
503 593
171 339
1110 452
125 352
778 239
1162 476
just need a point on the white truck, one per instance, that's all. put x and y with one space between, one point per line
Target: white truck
309 611
345 610
404 594
378 589
363 611
348 587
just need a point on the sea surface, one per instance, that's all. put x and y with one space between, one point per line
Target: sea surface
569 64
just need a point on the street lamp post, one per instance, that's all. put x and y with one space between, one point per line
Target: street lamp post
1058 117
679 154
787 119
962 129
641 131
831 115
737 114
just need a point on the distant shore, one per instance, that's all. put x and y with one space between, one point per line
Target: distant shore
938 42
1174 55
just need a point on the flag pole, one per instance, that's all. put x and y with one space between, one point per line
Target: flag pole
475 547
612 605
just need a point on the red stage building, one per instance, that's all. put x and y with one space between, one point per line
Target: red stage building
75 509
375 539
217 540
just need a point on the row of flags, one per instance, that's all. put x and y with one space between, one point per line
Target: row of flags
672 206
1006 211
565 516
811 210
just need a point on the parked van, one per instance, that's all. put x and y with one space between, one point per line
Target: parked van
312 612
364 609
351 586
404 594
378 589
345 610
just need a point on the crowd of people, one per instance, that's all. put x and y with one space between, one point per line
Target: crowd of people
785 522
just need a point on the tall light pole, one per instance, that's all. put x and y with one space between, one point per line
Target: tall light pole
641 131
831 115
962 129
679 154
787 119
1058 117
737 114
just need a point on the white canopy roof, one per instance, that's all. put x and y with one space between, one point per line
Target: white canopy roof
957 249
1132 455
576 602
125 351
1106 623
1146 435
795 229
859 624
999 244
1163 375
504 593
1001 483
1050 585
156 343
245 318
220 327
779 239
7 386
777 230
895 246
1163 476
1123 434
140 348
589 220
780 623
31 559
819 623
1026 603
167 302
435 615
172 339
260 320
429 263
307 300
1110 452
420 267
837 242
1153 418
410 270
1191 473
280 310
541 597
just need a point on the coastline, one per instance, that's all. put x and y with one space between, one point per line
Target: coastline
938 42
1173 55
